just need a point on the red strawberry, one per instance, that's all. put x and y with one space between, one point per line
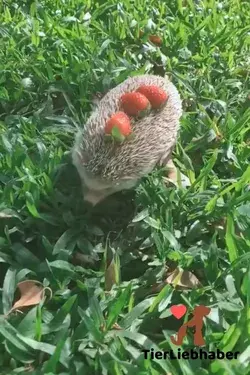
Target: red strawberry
135 104
156 96
118 126
155 39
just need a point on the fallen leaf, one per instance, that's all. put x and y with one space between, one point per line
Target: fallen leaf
155 39
32 292
183 279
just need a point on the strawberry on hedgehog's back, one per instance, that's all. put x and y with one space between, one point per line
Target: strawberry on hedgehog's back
154 136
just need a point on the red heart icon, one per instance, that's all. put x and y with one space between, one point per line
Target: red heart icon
178 310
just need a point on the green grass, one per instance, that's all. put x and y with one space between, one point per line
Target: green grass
71 50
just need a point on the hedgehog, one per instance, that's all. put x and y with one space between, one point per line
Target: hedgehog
106 168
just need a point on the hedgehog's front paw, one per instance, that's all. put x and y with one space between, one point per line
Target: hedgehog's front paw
172 176
171 172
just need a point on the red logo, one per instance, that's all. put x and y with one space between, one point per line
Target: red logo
196 322
178 310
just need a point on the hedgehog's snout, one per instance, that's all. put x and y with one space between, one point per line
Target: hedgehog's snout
94 197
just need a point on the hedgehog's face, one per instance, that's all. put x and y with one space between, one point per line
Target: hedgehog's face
95 189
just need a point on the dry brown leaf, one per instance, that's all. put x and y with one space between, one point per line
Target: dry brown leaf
110 276
155 39
32 293
102 328
116 327
183 279
112 273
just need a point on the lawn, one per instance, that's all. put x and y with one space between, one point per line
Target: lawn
98 283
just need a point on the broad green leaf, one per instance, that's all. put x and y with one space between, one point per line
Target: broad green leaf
171 239
9 287
63 241
231 240
61 315
118 305
140 216
30 203
51 364
152 222
164 294
135 313
26 344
